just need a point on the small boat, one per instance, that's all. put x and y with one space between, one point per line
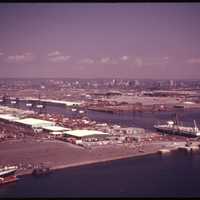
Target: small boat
40 106
7 174
41 171
29 104
81 111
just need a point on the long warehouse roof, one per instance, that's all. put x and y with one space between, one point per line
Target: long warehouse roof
55 128
35 122
8 117
83 133
68 103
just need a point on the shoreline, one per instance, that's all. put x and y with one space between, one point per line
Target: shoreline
91 162
60 155
101 161
115 110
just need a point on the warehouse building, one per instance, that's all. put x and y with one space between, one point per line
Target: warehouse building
84 134
55 130
35 123
59 102
8 117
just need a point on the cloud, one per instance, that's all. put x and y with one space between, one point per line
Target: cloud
157 61
54 53
124 58
108 60
193 61
105 60
1 53
166 58
59 58
139 61
87 61
20 58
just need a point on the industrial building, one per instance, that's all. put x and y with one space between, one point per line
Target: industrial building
55 130
8 117
67 103
35 123
50 127
54 102
80 134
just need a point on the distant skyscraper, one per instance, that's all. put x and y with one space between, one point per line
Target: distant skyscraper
113 82
171 83
137 83
42 87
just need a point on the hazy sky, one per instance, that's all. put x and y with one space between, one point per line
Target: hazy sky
130 40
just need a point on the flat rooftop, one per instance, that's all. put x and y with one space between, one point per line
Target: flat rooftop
85 133
35 122
55 128
8 117
68 103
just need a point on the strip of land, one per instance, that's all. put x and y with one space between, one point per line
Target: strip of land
27 154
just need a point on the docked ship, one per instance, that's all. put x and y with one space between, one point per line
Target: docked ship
7 174
174 128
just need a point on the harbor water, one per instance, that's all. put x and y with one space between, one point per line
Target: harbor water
127 119
173 175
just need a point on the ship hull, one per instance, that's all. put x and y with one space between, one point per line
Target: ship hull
8 179
175 132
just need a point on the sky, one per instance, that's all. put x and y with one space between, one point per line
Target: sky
100 40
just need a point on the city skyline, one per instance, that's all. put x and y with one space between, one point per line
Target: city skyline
132 40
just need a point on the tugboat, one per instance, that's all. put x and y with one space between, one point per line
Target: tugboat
41 170
7 174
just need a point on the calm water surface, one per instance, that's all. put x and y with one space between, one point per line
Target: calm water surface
144 120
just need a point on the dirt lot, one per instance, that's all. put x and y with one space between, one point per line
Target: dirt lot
58 154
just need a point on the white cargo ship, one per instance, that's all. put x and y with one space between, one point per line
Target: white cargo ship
172 127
